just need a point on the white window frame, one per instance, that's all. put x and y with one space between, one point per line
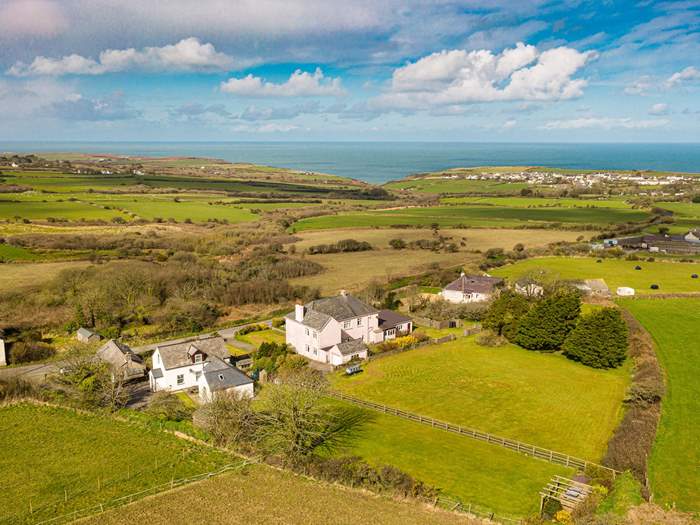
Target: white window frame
306 331
180 379
197 358
347 324
315 335
307 349
359 321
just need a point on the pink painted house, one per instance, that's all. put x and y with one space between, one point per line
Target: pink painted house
337 329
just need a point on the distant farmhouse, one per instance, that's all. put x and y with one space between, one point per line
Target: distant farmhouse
85 335
471 289
123 362
337 329
201 363
681 244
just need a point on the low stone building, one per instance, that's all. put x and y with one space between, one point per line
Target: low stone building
122 360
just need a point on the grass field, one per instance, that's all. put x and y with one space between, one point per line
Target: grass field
353 271
533 202
475 239
194 210
484 216
263 336
673 465
672 277
265 496
490 477
20 275
543 399
16 253
444 185
56 450
68 210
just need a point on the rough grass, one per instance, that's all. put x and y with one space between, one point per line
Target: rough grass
475 239
263 336
542 399
266 496
52 450
21 275
672 277
491 478
673 466
475 215
353 271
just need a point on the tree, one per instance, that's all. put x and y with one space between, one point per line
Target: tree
546 326
230 420
297 421
599 340
505 312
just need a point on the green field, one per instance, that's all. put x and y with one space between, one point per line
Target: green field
672 277
542 399
54 453
16 253
445 185
674 465
151 208
68 210
265 496
475 215
539 202
492 478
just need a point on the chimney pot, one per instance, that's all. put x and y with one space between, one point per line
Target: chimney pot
299 312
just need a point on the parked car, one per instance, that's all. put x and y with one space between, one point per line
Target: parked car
353 369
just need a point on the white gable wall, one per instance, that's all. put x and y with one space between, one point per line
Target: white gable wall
460 297
190 375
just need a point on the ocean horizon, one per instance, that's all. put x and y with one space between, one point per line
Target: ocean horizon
380 162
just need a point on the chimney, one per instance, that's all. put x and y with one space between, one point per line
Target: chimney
299 312
462 274
344 293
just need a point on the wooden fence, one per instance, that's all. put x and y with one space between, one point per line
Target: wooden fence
438 325
517 446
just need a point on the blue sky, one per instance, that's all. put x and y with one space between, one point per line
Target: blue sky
492 71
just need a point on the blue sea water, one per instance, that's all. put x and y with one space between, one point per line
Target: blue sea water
379 162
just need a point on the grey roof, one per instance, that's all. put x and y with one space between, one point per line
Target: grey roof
341 307
312 319
157 373
352 347
86 332
180 354
473 284
391 319
220 376
121 358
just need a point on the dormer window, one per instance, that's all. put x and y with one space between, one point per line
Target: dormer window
359 321
197 358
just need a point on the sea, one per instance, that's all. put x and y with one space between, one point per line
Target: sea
379 162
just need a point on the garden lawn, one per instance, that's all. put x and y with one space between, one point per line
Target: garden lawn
49 450
266 496
672 277
476 215
674 465
493 478
263 336
541 399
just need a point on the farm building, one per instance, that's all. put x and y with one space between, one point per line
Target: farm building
337 329
201 363
85 335
123 362
625 291
686 244
471 288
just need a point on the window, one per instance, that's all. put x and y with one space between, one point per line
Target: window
347 324
197 375
306 330
315 335
315 351
181 379
197 358
359 321
308 349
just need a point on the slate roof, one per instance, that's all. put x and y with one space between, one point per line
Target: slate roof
390 319
341 307
157 373
220 376
176 355
122 358
87 333
473 284
353 346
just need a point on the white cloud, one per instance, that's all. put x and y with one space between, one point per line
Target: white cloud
299 84
460 76
604 123
640 86
659 109
189 54
690 73
510 124
272 127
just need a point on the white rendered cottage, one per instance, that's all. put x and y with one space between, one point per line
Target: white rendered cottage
200 363
333 330
470 289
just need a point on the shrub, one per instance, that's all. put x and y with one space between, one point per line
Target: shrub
505 312
491 339
397 244
15 388
599 340
546 326
26 351
345 245
168 407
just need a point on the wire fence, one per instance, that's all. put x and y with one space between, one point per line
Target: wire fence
37 519
455 505
524 448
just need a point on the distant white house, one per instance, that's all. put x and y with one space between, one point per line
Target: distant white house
3 357
85 335
693 235
201 363
337 329
625 291
470 289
